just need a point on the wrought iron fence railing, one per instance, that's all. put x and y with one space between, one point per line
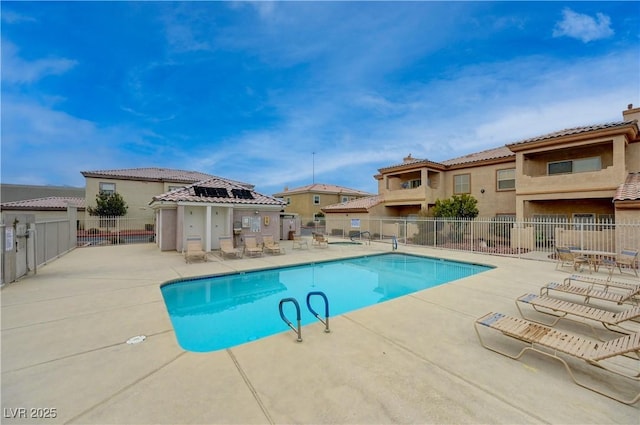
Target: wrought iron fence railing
497 235
93 231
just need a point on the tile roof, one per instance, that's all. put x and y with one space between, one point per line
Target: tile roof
188 194
154 174
495 153
630 189
574 131
49 203
413 161
362 204
323 188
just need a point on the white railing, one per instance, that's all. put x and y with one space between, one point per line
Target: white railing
498 235
95 231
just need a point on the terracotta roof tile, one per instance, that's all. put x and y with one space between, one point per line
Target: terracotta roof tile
188 194
356 204
323 188
630 189
495 153
154 174
48 203
574 130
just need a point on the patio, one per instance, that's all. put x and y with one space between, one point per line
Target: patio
415 359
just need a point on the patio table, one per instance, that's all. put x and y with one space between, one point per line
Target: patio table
594 257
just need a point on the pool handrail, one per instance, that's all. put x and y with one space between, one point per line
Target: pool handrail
326 309
298 331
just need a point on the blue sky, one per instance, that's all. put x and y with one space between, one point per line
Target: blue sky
249 91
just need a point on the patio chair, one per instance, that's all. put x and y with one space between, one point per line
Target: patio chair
320 241
269 245
627 259
194 249
251 246
568 258
616 321
610 356
299 242
226 248
615 293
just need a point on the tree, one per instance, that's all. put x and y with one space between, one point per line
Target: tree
458 206
108 205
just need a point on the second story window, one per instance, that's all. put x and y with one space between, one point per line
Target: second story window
288 201
316 199
412 184
574 166
506 179
462 183
108 188
345 199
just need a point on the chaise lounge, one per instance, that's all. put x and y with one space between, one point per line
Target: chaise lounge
269 245
616 321
557 344
194 250
226 248
599 289
251 246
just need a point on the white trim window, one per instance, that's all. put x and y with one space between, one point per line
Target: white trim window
506 179
462 183
108 188
316 199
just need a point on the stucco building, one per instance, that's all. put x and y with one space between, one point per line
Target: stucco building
582 173
307 201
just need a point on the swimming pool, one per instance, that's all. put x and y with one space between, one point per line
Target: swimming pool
217 312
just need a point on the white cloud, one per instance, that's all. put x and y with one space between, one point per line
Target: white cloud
583 27
11 17
17 70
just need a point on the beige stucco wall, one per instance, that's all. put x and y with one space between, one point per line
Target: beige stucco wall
633 157
46 215
137 195
302 203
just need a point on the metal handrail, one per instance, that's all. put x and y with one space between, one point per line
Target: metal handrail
326 309
298 331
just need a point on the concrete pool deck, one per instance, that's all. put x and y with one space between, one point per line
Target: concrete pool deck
415 359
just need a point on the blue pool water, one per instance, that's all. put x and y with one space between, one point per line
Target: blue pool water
212 313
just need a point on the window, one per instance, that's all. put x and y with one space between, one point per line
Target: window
172 188
584 221
411 184
506 179
345 199
288 201
316 199
462 183
574 166
108 188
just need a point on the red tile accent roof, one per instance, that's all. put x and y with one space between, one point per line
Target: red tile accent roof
188 194
154 174
630 189
362 204
575 130
51 203
495 153
323 188
489 154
